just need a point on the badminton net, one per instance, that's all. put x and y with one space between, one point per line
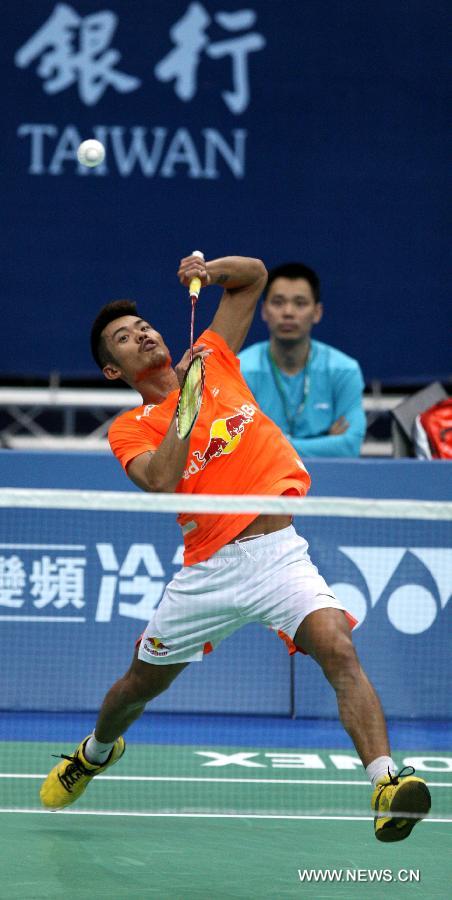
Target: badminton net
249 731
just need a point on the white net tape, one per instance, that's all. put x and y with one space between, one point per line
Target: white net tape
127 501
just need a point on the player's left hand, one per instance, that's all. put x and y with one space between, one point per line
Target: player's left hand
182 366
193 267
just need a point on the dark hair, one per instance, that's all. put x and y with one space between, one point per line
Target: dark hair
107 314
294 270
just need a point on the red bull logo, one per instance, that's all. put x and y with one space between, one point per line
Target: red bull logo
155 647
225 436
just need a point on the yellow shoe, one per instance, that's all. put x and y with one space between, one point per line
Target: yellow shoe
394 796
67 780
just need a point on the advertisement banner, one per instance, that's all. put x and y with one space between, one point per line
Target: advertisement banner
77 589
309 131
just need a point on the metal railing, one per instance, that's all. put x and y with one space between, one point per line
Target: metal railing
58 418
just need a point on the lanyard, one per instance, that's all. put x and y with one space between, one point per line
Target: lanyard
281 391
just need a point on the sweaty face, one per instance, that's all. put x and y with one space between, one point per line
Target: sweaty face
290 309
136 347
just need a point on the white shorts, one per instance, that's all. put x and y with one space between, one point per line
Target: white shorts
269 579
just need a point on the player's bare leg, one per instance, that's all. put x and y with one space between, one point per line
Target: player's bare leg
325 635
126 700
124 703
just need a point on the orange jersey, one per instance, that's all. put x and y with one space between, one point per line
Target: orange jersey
234 449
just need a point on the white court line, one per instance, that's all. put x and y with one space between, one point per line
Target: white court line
182 778
187 815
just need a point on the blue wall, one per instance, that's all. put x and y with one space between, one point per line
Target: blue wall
396 478
331 150
68 620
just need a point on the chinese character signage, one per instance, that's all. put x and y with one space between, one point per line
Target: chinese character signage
74 51
43 583
284 131
70 50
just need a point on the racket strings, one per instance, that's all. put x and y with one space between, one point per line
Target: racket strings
190 397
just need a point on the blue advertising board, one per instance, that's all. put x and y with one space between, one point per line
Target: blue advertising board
306 130
77 587
76 591
394 575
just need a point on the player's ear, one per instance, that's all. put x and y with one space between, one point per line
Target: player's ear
264 311
318 313
112 372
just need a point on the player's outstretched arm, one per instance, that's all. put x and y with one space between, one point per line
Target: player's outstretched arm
243 279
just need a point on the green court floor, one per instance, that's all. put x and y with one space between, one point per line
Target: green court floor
51 857
180 823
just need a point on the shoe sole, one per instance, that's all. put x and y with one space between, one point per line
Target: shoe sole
416 800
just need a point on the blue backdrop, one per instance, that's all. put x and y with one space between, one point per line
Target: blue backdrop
310 129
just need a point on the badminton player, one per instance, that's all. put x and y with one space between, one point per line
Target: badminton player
237 568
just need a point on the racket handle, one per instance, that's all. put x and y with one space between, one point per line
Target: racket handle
195 283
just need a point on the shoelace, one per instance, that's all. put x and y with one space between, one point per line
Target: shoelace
73 772
404 773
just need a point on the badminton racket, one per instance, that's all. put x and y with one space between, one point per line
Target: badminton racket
190 395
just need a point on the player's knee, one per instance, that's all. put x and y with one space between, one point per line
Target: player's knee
339 661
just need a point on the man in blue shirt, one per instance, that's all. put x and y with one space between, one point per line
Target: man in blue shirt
311 390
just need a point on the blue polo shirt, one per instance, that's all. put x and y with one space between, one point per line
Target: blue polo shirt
334 388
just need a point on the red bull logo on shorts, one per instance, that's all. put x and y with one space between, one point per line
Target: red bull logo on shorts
155 647
225 436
